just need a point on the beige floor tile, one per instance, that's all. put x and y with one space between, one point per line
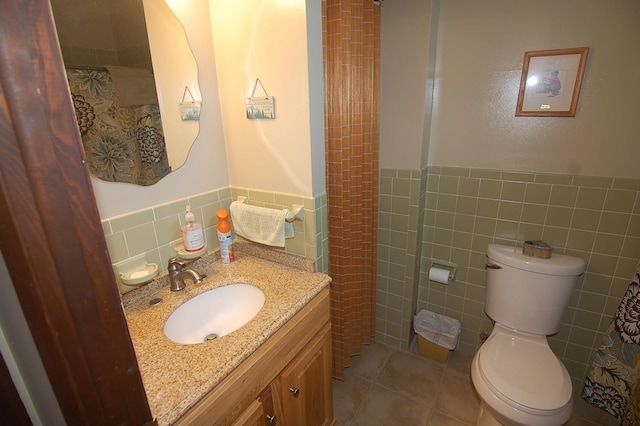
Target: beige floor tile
457 399
582 422
412 376
460 363
439 419
388 408
387 386
370 361
348 395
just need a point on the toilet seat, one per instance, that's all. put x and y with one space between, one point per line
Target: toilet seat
522 370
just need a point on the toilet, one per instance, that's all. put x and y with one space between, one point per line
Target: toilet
518 378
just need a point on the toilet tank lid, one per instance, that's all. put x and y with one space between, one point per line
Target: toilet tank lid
558 264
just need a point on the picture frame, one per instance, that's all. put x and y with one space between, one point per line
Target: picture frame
260 107
551 82
189 110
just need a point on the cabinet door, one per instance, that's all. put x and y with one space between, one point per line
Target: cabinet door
259 413
305 387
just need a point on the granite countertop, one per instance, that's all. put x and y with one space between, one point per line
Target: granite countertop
176 376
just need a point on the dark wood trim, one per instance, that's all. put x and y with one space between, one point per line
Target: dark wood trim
50 231
12 411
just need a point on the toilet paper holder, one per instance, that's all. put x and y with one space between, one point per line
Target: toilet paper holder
441 264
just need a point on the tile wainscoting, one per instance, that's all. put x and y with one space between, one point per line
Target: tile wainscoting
151 233
452 214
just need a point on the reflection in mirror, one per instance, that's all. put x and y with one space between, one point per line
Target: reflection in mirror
126 103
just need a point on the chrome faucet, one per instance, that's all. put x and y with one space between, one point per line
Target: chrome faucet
178 272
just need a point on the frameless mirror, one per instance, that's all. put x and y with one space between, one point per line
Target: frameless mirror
131 73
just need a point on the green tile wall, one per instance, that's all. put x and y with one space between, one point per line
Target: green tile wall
151 233
595 218
312 239
401 210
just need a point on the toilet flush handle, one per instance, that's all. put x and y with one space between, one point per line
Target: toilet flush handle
492 266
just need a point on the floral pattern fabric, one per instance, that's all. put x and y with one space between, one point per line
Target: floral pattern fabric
121 144
613 382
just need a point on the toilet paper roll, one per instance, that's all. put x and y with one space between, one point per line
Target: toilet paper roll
439 275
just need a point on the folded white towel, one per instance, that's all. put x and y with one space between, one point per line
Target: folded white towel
260 224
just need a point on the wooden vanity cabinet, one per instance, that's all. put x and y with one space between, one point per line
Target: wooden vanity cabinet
286 381
261 412
303 390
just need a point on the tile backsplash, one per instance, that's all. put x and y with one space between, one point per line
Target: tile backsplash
595 218
153 232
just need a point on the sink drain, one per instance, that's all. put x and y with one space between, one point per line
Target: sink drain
209 337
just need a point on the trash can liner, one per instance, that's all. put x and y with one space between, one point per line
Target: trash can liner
438 329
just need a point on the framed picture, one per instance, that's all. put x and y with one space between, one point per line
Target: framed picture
189 110
550 82
260 107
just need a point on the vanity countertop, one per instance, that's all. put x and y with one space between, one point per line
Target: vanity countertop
176 376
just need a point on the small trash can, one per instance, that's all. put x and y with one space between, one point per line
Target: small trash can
437 334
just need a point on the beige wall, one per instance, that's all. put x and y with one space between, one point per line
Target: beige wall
235 43
480 47
268 40
408 29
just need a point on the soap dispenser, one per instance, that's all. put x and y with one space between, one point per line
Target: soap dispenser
192 235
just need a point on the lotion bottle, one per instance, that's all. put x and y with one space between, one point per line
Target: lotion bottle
225 239
192 235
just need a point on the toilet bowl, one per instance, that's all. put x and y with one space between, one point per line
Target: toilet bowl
519 379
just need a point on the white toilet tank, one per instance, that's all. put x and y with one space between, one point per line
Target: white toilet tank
529 294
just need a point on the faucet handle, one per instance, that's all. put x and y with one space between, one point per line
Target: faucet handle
175 264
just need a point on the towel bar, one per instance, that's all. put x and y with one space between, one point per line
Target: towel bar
296 212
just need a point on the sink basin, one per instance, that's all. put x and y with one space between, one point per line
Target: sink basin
214 313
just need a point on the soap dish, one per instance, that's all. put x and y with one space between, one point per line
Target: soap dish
140 276
183 254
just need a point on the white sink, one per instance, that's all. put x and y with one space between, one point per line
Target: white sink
214 313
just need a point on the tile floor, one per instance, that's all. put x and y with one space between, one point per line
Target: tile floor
386 386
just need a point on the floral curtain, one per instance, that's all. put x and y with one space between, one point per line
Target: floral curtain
613 382
121 143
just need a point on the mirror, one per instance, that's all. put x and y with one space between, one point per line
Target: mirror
129 67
